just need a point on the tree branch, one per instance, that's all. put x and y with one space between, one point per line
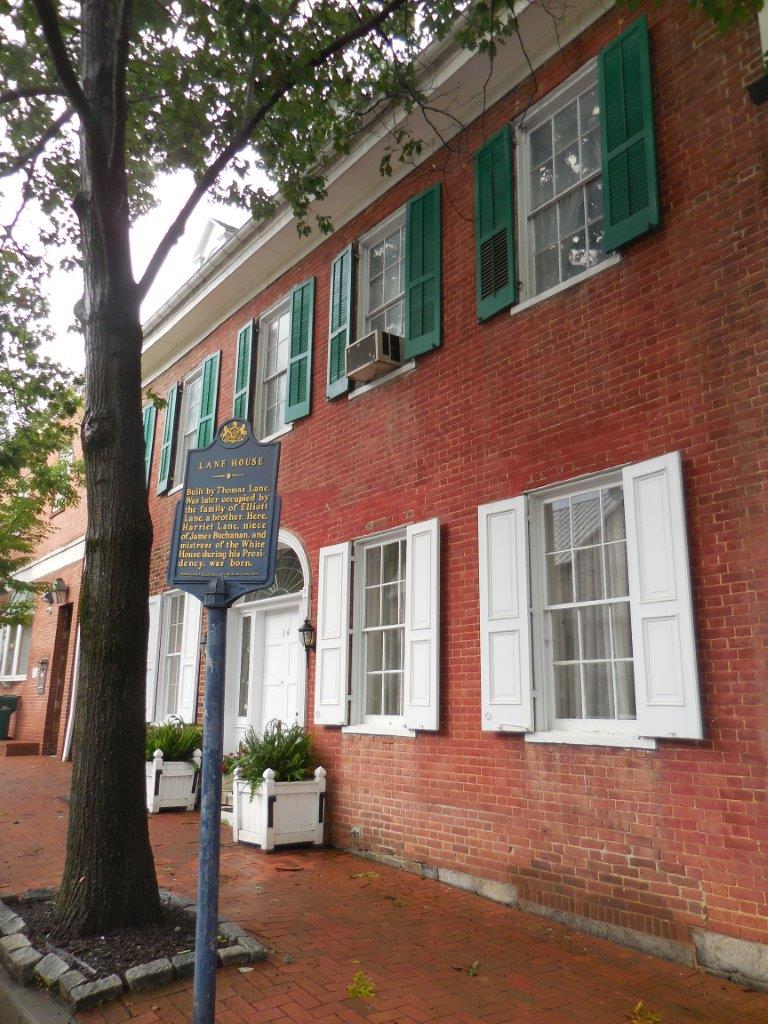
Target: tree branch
49 22
29 92
119 102
34 151
242 136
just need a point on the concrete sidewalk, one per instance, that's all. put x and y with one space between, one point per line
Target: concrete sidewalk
327 915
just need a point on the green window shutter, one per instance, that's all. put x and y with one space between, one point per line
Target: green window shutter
422 273
299 388
340 320
496 271
169 439
206 425
630 186
241 404
148 415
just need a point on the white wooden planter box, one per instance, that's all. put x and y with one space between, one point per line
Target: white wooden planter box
172 783
278 813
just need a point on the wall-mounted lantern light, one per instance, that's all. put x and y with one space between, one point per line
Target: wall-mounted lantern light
60 591
307 635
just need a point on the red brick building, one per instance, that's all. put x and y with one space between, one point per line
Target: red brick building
535 548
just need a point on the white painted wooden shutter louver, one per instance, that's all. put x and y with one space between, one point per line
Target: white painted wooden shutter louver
421 690
506 678
190 656
663 637
332 659
153 645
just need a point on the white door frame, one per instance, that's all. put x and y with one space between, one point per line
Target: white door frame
299 600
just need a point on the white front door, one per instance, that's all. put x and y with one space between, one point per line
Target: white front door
264 670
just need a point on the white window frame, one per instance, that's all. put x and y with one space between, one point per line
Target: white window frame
23 634
179 460
361 722
531 120
548 728
161 693
365 244
276 310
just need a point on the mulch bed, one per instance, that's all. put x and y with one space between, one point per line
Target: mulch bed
115 952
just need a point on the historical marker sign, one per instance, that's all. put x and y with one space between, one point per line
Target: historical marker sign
227 521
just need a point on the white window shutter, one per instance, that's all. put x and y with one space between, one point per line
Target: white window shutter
421 689
153 650
190 659
663 638
506 677
332 658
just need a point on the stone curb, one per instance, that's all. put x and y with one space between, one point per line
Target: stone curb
28 966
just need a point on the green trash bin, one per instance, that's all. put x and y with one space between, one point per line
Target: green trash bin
8 705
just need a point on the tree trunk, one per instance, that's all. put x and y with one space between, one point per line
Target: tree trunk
109 875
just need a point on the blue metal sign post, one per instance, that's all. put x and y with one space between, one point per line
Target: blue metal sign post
223 546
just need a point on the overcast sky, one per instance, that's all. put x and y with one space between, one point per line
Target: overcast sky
66 288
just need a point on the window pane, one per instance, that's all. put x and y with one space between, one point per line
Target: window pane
547 269
541 184
377 260
557 524
585 511
589 575
622 633
573 255
373 695
393 318
389 605
625 689
372 566
598 690
559 578
566 168
245 667
376 294
596 233
589 110
567 691
372 602
595 632
22 658
566 126
392 282
571 209
377 323
564 639
617 584
594 192
390 562
373 647
172 691
544 229
541 144
392 687
10 650
590 152
393 649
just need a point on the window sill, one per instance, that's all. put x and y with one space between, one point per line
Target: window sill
174 490
278 433
378 730
384 379
565 285
12 680
592 739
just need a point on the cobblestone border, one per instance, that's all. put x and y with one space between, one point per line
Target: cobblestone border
28 966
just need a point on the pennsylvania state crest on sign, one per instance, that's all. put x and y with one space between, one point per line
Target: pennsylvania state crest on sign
233 432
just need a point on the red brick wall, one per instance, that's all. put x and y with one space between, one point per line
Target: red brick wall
667 350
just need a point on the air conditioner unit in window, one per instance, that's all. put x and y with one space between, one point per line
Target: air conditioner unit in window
374 354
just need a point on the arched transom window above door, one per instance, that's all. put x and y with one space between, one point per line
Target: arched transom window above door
289 577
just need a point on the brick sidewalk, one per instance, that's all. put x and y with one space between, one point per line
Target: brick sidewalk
328 915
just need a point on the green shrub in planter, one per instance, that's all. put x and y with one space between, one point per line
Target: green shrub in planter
288 752
178 740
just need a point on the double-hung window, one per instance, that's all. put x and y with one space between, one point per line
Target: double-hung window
14 652
378 632
382 277
561 190
574 181
189 418
586 621
172 656
274 346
